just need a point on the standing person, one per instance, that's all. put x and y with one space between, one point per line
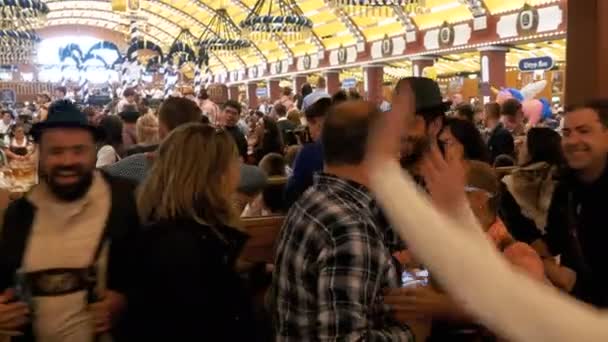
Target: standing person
286 127
304 91
43 101
173 113
189 246
500 140
576 219
63 246
208 107
310 158
146 129
461 139
333 257
320 91
269 140
424 127
111 145
129 116
60 93
7 122
461 257
129 97
231 113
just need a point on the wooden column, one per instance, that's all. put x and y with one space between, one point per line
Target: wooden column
332 78
493 70
233 92
374 77
298 82
587 51
419 63
274 90
252 95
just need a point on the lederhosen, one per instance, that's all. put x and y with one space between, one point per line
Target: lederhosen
16 228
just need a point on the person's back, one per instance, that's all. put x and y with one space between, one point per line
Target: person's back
333 258
184 285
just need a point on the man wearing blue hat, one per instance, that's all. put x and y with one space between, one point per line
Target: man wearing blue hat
63 245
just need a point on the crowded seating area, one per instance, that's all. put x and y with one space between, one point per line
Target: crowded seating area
408 208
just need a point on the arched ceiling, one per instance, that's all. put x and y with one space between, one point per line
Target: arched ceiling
165 19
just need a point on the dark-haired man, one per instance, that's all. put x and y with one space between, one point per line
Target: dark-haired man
286 126
512 116
67 239
576 223
333 257
310 158
427 123
231 113
174 112
500 140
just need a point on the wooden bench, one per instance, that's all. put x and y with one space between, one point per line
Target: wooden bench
263 232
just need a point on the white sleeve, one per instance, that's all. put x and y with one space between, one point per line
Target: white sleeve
471 269
106 156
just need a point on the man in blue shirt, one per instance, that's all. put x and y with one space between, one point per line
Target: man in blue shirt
310 159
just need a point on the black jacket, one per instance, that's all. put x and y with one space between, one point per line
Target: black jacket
287 128
185 287
578 212
122 222
240 140
500 142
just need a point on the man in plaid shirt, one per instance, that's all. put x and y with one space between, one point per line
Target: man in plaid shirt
334 257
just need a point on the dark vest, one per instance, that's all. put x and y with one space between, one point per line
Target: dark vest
121 222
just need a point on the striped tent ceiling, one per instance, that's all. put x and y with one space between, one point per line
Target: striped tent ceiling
164 20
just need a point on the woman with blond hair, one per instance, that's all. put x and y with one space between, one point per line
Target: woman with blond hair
146 130
184 285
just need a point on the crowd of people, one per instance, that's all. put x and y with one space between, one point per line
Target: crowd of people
135 229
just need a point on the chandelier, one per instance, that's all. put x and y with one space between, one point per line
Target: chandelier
379 7
181 51
269 18
222 35
18 21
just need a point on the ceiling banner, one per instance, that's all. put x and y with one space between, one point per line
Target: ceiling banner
119 5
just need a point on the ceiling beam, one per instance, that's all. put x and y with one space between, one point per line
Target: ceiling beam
404 18
347 21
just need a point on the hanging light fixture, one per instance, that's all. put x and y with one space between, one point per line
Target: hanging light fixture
382 8
276 17
222 36
18 38
182 50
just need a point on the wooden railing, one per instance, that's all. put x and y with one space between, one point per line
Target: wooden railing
27 91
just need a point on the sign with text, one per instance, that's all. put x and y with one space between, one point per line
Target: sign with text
261 92
537 63
349 83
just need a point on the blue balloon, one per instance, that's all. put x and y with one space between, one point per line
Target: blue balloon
547 112
516 94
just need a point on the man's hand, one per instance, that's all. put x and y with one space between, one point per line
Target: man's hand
562 277
445 180
384 142
105 310
12 315
418 302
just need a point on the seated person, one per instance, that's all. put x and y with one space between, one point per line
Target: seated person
482 192
270 201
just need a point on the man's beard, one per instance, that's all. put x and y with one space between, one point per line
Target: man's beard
417 147
71 192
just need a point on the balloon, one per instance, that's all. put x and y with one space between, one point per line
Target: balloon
503 96
533 110
547 112
516 94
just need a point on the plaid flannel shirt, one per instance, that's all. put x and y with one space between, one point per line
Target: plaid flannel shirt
333 262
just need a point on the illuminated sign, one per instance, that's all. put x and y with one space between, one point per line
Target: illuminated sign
537 63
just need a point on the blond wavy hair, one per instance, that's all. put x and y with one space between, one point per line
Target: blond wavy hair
187 178
146 129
